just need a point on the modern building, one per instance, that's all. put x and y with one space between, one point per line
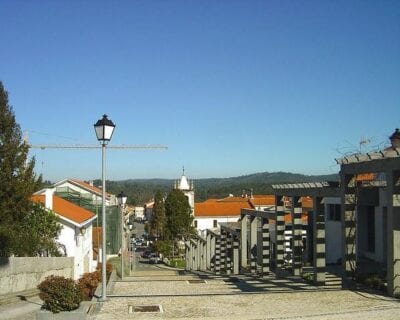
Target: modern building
354 222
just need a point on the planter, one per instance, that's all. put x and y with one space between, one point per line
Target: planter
78 314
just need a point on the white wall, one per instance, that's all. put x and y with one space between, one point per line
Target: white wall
139 212
208 222
333 234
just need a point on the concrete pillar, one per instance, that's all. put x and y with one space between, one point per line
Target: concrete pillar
280 232
200 250
265 247
235 255
217 255
319 240
223 251
228 264
212 253
253 244
393 232
195 257
349 225
243 242
208 252
204 255
297 228
187 256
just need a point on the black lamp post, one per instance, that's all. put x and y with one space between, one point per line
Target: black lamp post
104 129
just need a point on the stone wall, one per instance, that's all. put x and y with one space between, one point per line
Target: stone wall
25 273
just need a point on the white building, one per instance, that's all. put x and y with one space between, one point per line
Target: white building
76 232
85 189
187 188
148 210
138 212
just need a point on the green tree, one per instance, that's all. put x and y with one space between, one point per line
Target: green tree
158 218
37 233
179 217
17 180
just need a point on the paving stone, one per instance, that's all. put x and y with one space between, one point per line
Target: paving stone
258 299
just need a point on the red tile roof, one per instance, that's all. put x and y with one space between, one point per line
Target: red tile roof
233 199
306 202
66 209
288 218
366 177
220 208
263 200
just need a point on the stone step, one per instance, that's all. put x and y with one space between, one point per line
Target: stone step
18 296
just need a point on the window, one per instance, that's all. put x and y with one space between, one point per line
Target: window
334 212
195 223
215 224
371 228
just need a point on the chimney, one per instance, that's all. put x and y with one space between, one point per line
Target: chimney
49 198
395 139
91 182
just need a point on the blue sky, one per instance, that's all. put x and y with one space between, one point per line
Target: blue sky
231 87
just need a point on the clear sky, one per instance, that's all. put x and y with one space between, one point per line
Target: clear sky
231 87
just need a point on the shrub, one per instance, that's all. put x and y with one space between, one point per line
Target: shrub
88 283
308 276
109 269
59 294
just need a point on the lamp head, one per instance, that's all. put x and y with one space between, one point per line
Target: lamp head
121 197
104 129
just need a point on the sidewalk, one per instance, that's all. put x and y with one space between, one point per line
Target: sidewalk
21 310
216 297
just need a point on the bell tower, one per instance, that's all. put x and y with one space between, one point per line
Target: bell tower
186 187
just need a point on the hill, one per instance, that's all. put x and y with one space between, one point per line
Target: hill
140 191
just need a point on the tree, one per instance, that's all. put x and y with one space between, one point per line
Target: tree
158 219
17 180
37 233
179 217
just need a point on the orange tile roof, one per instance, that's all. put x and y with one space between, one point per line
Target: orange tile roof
366 177
233 199
66 209
218 208
306 202
88 186
288 218
260 200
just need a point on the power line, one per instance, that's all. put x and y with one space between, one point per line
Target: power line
95 146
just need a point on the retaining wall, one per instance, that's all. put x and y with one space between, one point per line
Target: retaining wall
25 273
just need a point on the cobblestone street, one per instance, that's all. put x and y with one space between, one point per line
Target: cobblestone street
240 298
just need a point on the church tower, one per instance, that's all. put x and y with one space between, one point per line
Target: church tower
186 187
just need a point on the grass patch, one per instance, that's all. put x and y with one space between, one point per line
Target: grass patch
177 263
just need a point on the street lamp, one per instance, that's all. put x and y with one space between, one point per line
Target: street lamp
121 202
104 129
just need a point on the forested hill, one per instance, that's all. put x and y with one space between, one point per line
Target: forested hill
140 191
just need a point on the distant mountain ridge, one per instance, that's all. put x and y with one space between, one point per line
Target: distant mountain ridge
140 191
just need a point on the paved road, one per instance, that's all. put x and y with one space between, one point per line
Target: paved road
140 264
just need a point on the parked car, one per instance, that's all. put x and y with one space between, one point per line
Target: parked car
154 258
146 254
